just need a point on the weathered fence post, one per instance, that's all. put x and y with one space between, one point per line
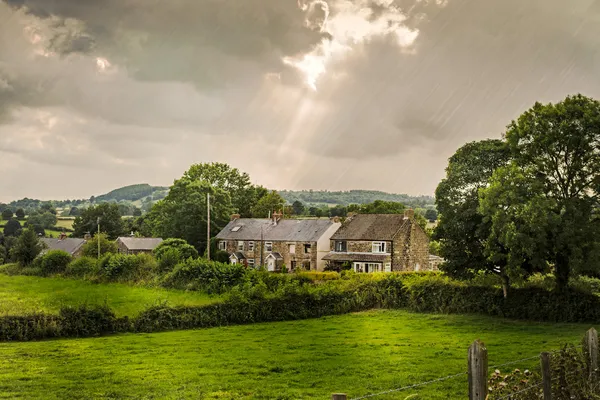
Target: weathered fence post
546 375
339 396
591 346
478 371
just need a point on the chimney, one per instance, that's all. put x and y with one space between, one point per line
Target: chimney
62 236
276 217
87 236
335 220
234 217
132 234
409 213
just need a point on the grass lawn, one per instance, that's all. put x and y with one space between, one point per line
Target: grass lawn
25 294
65 223
355 354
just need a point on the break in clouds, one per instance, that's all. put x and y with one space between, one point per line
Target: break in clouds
337 94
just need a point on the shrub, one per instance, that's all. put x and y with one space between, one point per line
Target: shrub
82 267
169 258
201 274
90 249
54 262
184 249
10 269
319 276
121 267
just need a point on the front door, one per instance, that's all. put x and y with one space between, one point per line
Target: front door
271 264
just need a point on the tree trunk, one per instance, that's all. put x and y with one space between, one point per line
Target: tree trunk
505 285
562 272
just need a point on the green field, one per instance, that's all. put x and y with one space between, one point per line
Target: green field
355 354
23 294
65 223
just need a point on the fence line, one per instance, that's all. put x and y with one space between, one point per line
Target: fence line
478 371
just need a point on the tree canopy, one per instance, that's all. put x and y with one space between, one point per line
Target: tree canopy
268 204
110 221
27 247
12 228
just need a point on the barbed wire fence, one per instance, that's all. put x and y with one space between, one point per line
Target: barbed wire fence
478 372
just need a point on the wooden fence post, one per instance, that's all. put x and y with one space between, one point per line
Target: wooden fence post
478 371
339 396
546 375
591 346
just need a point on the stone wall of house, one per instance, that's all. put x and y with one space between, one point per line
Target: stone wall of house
359 246
301 259
411 249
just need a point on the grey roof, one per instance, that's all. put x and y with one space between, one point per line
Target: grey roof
239 255
276 256
292 230
335 256
133 243
371 227
70 245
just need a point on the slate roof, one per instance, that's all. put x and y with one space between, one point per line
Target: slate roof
371 227
140 244
364 257
239 255
290 230
276 256
70 245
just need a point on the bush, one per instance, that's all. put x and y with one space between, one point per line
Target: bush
201 274
82 267
123 268
54 262
314 276
10 269
169 258
182 247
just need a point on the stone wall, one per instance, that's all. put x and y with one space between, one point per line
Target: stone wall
308 260
411 249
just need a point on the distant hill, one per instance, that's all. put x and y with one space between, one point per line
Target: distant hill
344 198
134 193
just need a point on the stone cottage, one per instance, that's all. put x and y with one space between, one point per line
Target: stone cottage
134 245
275 242
73 246
380 243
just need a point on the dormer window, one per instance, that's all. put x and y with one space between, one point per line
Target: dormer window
379 247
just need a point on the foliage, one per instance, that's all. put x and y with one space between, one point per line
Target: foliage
184 250
82 267
131 193
110 221
461 229
183 213
12 228
90 249
54 262
298 208
46 220
27 247
431 215
268 204
7 214
168 259
126 268
543 205
201 274
20 214
377 207
345 198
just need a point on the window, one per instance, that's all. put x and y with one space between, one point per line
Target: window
388 267
417 267
341 246
306 265
251 246
233 260
293 265
307 248
235 228
240 246
379 247
292 248
269 246
222 245
251 262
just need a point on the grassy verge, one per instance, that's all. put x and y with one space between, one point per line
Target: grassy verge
26 294
355 353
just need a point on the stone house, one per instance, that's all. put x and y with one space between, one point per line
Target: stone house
276 242
73 246
380 243
133 245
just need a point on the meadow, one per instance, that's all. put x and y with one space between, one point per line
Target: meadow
21 295
357 354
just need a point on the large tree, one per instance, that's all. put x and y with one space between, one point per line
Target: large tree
237 184
7 214
268 204
462 231
27 247
12 228
183 213
46 220
111 222
378 207
543 206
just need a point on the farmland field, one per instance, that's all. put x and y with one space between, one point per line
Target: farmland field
356 354
24 294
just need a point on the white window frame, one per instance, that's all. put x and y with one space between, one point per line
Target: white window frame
292 248
379 247
388 267
268 246
340 248
251 262
234 261
240 245
309 248
250 246
222 245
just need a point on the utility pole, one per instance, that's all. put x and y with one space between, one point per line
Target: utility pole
208 225
261 245
98 237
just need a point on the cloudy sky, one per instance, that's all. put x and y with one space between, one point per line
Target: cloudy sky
327 94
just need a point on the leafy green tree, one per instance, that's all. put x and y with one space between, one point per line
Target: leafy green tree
431 215
47 207
46 220
182 247
183 213
244 196
137 212
338 211
90 249
111 222
20 214
268 204
543 206
377 207
298 208
12 228
140 226
75 212
27 247
124 210
461 229
7 214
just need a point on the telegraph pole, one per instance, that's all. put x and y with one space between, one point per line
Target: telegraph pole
208 225
98 237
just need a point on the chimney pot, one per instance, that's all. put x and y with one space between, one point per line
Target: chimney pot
235 216
409 213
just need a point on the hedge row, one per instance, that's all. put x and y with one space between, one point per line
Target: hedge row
296 300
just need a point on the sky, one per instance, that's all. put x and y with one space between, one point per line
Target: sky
300 94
